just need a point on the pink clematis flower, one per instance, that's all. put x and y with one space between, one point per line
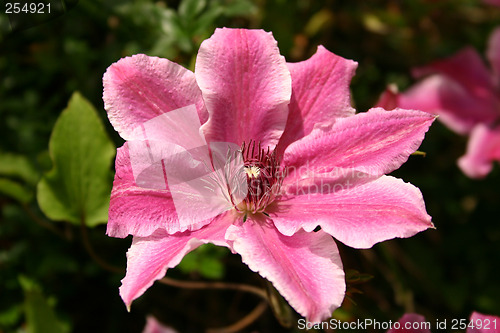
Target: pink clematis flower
253 153
466 95
477 323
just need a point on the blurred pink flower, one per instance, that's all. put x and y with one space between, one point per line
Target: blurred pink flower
481 323
492 2
253 153
477 323
466 95
411 323
154 326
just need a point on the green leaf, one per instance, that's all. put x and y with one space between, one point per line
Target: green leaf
15 190
239 8
78 187
206 261
18 166
10 316
189 9
40 317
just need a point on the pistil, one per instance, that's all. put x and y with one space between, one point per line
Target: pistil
264 177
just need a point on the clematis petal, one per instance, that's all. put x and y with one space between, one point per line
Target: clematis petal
320 94
483 148
483 323
149 257
140 88
376 142
411 323
466 68
136 210
246 86
159 185
358 212
305 268
457 108
493 54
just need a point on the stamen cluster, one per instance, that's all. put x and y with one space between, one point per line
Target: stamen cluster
264 177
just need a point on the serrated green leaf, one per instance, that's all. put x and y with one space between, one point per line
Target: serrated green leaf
15 190
40 317
79 185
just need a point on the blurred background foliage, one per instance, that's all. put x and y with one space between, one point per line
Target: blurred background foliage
64 276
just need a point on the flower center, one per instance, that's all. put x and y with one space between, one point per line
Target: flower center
264 178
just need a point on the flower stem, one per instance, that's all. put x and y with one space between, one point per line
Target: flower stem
93 254
214 285
43 223
243 322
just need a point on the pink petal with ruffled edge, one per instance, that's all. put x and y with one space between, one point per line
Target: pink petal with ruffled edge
483 148
358 215
411 323
246 86
456 106
484 323
376 142
149 257
139 88
320 94
493 55
466 68
305 268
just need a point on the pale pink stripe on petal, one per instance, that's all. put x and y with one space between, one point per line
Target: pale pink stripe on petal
320 94
376 142
149 257
482 150
305 268
139 88
484 323
246 86
412 323
357 213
